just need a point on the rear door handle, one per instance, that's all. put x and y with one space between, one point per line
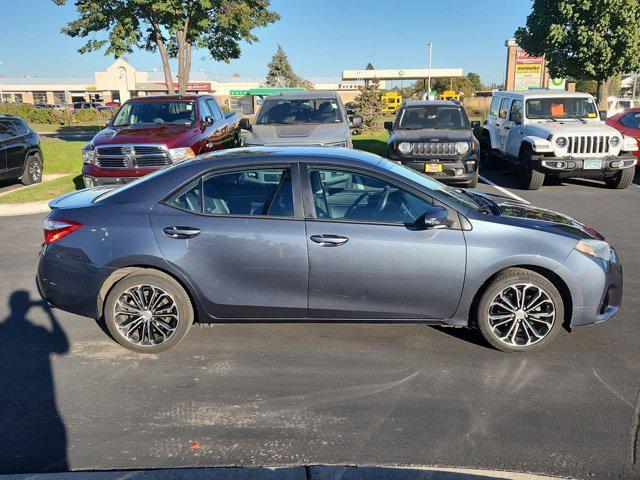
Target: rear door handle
327 240
181 232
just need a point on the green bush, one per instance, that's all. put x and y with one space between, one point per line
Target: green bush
91 115
32 114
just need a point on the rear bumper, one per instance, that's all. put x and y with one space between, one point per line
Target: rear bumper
600 283
574 167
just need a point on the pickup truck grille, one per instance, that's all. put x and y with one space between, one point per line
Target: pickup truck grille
132 156
588 145
434 148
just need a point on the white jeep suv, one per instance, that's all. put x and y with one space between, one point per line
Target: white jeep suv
555 134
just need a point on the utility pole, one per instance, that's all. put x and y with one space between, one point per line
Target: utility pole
429 84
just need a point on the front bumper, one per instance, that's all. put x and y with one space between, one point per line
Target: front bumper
94 176
599 283
454 169
572 167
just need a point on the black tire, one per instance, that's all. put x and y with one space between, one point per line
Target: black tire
487 158
32 172
176 294
473 183
621 179
509 279
530 179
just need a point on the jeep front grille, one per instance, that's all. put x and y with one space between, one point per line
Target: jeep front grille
132 156
587 145
434 148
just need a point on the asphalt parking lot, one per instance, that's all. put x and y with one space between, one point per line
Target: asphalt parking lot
273 394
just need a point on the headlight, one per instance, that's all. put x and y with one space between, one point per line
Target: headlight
462 148
561 142
181 154
89 155
336 144
404 147
595 248
614 141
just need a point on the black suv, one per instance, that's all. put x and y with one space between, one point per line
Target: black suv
435 138
20 154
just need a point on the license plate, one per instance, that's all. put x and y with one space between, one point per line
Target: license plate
433 168
592 164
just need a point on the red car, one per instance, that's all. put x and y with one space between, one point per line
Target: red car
148 133
628 123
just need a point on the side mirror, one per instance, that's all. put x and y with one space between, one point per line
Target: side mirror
356 121
209 120
388 126
603 114
109 122
475 124
244 124
435 216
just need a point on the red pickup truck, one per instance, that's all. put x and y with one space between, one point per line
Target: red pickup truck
151 132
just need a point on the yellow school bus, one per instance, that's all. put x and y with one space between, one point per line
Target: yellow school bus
449 95
392 101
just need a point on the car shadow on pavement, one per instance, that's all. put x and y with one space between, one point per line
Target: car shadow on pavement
33 435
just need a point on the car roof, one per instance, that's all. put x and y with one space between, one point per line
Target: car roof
303 95
165 98
297 154
439 103
540 93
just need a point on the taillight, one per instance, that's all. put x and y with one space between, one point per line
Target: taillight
57 228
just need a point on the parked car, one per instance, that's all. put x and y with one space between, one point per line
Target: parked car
319 234
301 118
20 154
627 123
436 138
558 135
148 133
616 105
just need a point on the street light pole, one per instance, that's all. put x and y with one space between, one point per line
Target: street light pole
429 84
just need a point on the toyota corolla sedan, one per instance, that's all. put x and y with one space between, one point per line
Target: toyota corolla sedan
316 234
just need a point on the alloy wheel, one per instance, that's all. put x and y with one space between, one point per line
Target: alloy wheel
521 315
35 172
146 315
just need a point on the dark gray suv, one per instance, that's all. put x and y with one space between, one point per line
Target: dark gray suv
20 154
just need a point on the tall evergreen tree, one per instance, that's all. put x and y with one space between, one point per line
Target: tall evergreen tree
368 104
281 72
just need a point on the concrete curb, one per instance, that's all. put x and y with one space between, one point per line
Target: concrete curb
316 472
14 209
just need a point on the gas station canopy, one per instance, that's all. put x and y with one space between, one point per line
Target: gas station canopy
408 73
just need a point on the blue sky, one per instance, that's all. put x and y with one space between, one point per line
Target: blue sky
321 37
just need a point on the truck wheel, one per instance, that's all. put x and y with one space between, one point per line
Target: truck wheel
32 170
486 154
620 180
530 179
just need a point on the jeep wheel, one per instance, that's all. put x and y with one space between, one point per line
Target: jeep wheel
473 183
486 154
621 179
530 179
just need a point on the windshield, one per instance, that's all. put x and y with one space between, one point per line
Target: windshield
136 113
433 185
432 116
292 112
568 107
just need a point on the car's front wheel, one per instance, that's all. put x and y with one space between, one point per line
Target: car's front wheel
520 311
148 312
530 179
621 179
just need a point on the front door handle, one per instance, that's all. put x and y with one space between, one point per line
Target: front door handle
181 232
327 240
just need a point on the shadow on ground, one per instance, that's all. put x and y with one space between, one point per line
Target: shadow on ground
33 434
370 145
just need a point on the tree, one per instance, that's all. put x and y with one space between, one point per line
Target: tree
590 40
476 82
281 72
171 27
368 104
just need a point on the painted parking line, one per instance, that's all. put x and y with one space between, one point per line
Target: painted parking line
503 190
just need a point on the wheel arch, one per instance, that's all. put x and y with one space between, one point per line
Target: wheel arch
553 277
123 272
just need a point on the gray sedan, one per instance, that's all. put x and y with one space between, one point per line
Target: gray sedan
316 234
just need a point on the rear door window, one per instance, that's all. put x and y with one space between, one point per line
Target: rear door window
7 130
504 108
494 107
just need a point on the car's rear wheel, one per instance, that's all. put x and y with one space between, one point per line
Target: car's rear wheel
621 179
148 312
32 170
520 311
530 179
